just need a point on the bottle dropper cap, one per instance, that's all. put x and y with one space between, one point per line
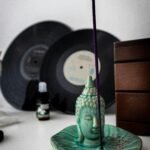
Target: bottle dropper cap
42 87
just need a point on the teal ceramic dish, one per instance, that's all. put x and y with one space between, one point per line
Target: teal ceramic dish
114 139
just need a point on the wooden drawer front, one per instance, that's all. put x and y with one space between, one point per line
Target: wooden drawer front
132 53
135 127
134 107
132 76
132 50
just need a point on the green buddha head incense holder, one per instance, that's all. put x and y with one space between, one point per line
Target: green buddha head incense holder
87 116
86 134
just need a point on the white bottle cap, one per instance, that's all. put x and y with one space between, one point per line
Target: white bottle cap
42 87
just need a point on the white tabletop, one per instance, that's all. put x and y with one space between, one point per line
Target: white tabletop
31 134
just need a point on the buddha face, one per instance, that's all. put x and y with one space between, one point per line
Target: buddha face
89 125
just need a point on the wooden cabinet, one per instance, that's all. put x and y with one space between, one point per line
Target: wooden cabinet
132 85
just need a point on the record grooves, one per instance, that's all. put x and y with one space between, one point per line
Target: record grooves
65 81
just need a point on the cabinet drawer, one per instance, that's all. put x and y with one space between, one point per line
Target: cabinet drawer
132 50
135 127
133 107
132 76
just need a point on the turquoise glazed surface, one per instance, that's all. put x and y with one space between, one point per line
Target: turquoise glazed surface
87 116
86 134
114 139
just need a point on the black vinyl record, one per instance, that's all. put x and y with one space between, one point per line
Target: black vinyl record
68 63
23 59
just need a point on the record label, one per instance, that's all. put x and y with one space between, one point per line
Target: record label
69 62
31 62
78 66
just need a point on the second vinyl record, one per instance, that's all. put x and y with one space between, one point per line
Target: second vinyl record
70 61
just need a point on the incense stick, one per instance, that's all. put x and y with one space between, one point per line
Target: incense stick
96 67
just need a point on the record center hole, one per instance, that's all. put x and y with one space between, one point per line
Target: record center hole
35 61
81 67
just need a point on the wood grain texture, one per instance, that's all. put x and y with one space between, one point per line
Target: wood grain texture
135 127
132 85
132 53
134 107
132 50
132 76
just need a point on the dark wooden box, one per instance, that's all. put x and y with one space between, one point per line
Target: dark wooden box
132 85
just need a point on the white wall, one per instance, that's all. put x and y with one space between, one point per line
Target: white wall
126 19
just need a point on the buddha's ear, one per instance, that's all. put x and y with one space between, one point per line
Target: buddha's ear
80 134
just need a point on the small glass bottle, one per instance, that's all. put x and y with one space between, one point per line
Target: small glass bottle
42 112
1 135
